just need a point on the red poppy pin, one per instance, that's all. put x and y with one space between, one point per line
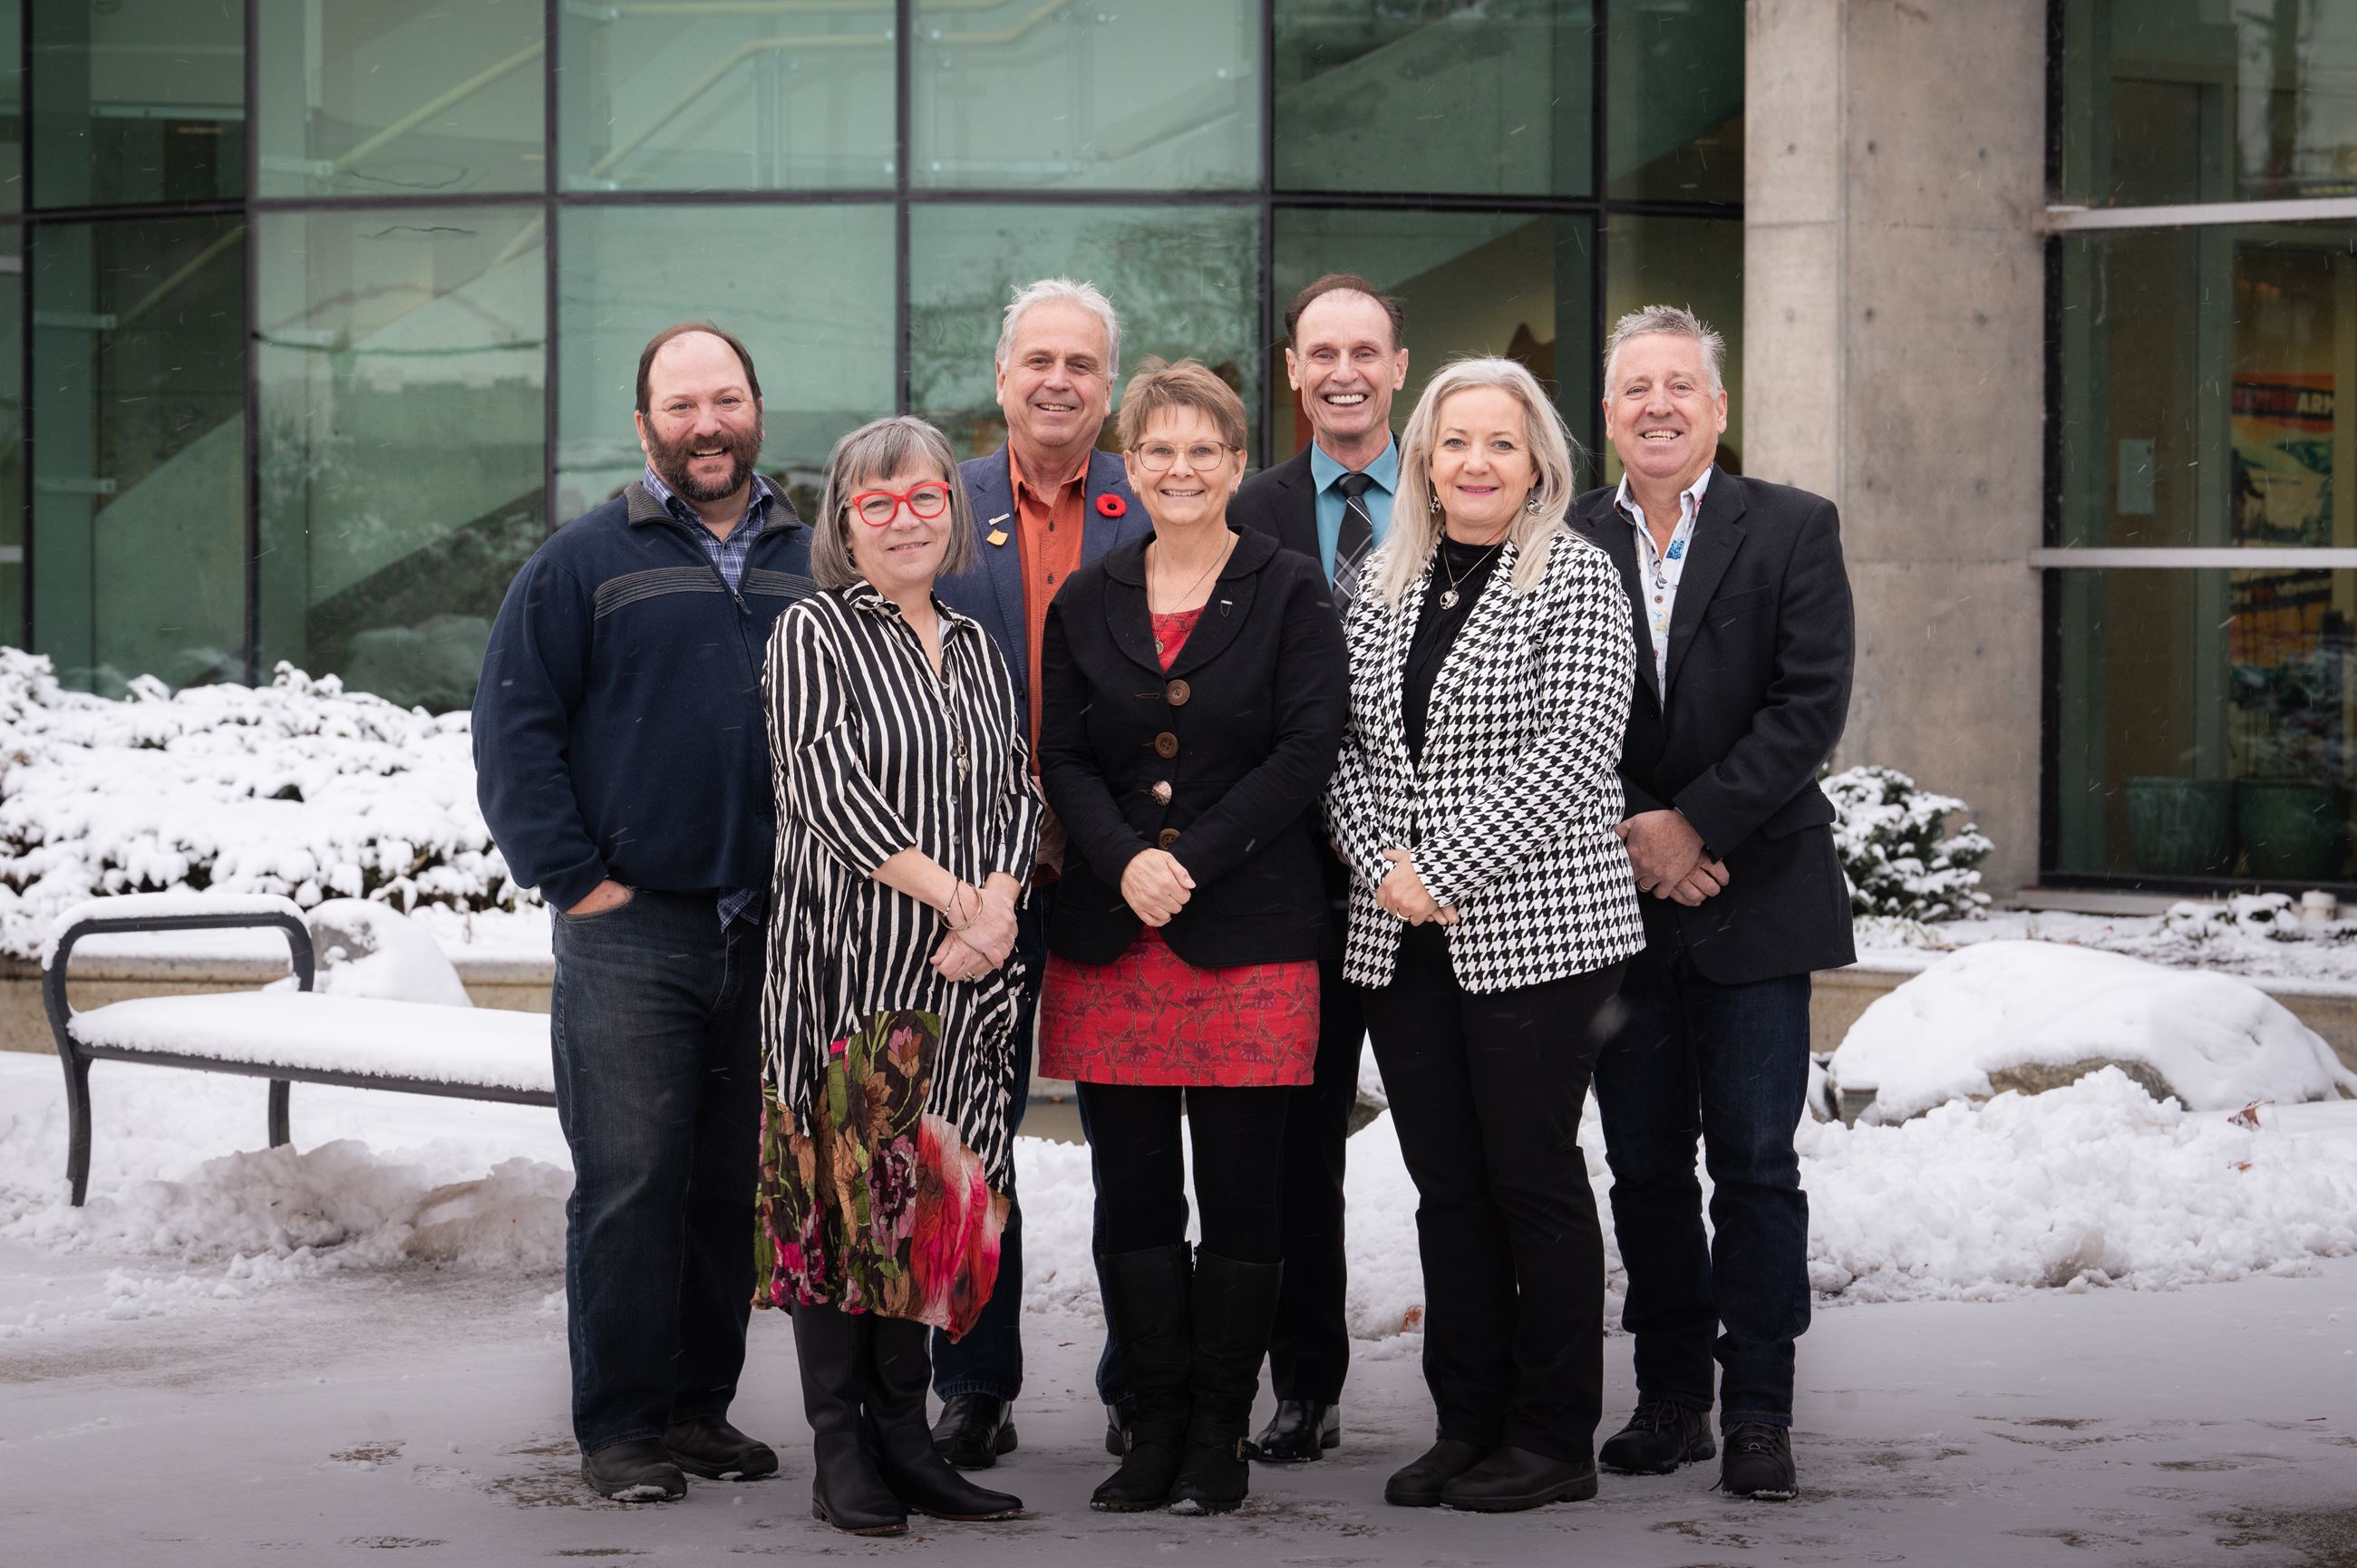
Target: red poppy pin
1111 505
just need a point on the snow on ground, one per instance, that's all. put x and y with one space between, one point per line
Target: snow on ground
2216 1041
2257 936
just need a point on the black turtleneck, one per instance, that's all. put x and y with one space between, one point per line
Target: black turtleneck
1437 627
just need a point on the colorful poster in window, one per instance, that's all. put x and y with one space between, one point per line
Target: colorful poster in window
2285 641
2283 460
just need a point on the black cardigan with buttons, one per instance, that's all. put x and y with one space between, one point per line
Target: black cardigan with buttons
1240 735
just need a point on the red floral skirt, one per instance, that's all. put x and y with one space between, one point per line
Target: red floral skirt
1151 1017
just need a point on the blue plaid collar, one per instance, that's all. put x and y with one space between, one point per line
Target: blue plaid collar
759 511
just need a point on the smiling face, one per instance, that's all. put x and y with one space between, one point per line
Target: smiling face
1054 385
1189 492
1345 367
905 554
702 429
1660 413
1482 467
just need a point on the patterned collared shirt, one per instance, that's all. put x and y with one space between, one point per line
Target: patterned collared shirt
1658 571
727 559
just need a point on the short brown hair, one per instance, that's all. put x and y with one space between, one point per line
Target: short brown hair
875 452
1343 282
655 347
1158 387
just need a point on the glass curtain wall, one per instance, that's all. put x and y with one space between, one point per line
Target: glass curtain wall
2205 711
333 307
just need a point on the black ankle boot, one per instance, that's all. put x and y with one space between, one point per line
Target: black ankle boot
901 1368
1234 1304
1145 1301
1661 1434
848 1486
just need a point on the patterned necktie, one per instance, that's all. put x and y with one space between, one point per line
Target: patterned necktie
1352 545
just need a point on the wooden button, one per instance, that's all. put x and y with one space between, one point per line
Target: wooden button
1161 791
1165 746
1166 838
1177 692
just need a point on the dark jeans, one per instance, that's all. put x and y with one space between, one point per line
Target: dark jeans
989 1359
1486 1091
1728 1064
1141 1177
1309 1352
656 1022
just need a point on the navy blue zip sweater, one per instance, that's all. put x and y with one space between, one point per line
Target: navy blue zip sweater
618 729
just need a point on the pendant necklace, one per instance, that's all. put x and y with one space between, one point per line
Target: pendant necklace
1448 595
1216 563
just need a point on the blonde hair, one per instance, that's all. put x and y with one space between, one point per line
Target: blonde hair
1416 512
1158 388
874 452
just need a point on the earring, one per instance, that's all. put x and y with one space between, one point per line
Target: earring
1434 503
1531 505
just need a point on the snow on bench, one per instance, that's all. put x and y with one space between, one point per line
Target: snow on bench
287 1036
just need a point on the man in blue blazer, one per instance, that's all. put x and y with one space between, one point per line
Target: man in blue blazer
1046 504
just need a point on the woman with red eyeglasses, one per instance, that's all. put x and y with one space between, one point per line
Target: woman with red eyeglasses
907 819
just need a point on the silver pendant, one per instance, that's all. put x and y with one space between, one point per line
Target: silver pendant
1449 598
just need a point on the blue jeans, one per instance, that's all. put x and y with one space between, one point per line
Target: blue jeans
656 1022
1728 1064
989 1359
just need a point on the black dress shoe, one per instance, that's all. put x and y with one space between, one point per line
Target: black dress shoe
1514 1478
1660 1436
974 1430
708 1446
1418 1484
1759 1463
1301 1430
638 1472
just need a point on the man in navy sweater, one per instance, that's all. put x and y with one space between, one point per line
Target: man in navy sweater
623 767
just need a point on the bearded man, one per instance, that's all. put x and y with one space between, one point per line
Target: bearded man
623 764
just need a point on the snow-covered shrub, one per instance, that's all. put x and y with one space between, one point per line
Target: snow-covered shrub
2269 915
298 788
1900 861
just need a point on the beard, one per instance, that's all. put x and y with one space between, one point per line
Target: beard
669 461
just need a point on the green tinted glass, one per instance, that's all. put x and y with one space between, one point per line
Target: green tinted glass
1468 282
1180 277
137 101
819 330
665 95
1695 262
12 107
1673 100
1434 95
2178 100
12 436
401 367
1013 93
139 475
399 97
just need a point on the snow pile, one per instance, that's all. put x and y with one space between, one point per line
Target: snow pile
2213 1041
298 789
374 950
2260 935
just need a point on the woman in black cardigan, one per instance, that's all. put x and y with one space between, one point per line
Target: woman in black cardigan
1193 691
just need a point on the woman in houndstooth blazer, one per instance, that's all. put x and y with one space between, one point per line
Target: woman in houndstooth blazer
1491 910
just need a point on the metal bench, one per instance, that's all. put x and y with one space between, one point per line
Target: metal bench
287 1036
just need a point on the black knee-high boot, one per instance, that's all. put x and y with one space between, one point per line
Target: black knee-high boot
1146 1301
913 1467
847 1486
1235 1305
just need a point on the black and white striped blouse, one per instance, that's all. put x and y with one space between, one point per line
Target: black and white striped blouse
872 752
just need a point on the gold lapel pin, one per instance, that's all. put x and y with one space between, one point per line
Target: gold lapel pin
997 535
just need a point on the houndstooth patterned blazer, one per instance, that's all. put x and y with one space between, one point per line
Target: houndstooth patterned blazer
1512 811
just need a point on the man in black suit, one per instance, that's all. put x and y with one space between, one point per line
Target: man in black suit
1331 500
1744 637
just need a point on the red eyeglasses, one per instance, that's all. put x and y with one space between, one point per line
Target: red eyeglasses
925 501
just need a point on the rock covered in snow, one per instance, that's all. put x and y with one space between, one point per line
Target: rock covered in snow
371 950
2026 1015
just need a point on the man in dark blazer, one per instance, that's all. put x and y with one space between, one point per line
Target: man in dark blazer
1332 501
1045 504
1743 626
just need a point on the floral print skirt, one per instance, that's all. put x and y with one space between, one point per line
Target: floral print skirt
1151 1017
883 1207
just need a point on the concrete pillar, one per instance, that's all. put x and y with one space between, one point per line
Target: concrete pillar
1893 321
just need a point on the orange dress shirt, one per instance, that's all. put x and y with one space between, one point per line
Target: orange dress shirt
1047 533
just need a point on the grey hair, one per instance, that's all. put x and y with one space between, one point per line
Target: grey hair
1673 321
1073 292
874 452
1415 514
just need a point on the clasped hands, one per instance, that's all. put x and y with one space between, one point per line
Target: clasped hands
1403 893
1155 885
1670 859
983 934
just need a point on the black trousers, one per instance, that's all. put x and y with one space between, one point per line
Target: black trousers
1141 1175
1486 1092
1309 1350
